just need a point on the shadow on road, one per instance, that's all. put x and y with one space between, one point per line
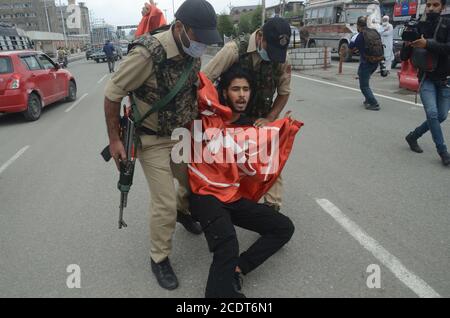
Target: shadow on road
14 119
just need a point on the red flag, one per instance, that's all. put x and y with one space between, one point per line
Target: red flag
258 154
154 19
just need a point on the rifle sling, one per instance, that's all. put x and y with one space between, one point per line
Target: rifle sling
162 103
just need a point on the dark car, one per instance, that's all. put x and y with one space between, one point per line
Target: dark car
100 56
398 44
89 54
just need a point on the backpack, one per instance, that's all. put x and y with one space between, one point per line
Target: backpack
373 46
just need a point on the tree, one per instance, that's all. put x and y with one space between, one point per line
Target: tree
245 23
256 20
225 25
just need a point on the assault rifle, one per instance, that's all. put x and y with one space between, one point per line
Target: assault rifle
127 135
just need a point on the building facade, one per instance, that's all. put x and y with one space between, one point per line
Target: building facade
46 16
30 15
77 25
236 12
293 11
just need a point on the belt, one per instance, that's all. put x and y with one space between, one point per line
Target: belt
146 131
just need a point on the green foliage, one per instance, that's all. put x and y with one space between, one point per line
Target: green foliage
245 25
251 21
225 25
257 18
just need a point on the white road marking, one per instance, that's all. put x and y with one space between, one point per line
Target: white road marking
101 80
357 90
415 283
14 158
76 103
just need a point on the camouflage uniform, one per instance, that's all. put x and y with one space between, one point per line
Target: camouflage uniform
183 108
265 77
152 67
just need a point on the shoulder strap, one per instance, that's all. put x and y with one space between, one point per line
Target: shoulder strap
164 101
437 28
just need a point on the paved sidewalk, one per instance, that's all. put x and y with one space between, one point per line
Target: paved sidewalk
77 56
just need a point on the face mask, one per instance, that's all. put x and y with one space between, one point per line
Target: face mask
263 54
195 49
433 16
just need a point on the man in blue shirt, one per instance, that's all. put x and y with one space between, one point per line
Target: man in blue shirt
109 50
366 69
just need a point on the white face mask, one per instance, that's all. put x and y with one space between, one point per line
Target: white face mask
195 49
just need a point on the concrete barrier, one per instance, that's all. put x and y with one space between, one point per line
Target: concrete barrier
309 59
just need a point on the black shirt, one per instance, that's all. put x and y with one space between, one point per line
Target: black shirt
244 120
440 48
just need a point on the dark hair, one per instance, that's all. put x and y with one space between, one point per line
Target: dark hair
234 72
362 21
443 2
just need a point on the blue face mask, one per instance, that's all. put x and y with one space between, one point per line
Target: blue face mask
263 54
195 49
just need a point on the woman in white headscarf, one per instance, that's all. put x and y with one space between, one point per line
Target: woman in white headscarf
387 37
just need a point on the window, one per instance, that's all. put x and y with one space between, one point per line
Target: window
328 16
340 18
45 61
307 14
5 65
320 15
31 62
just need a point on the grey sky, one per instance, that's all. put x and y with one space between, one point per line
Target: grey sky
126 12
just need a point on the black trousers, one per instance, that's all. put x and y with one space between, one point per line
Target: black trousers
111 63
218 220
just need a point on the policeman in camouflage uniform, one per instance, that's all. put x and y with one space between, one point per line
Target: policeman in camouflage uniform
153 67
264 56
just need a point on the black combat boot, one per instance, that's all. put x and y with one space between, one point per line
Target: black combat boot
165 274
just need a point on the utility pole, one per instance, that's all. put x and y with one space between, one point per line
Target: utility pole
46 15
63 23
283 8
230 6
165 14
173 9
263 20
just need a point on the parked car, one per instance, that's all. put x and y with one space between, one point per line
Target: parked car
124 48
30 80
89 54
100 56
398 44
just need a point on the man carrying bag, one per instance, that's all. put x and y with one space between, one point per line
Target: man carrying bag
430 54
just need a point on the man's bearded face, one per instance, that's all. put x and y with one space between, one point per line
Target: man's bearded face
238 95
